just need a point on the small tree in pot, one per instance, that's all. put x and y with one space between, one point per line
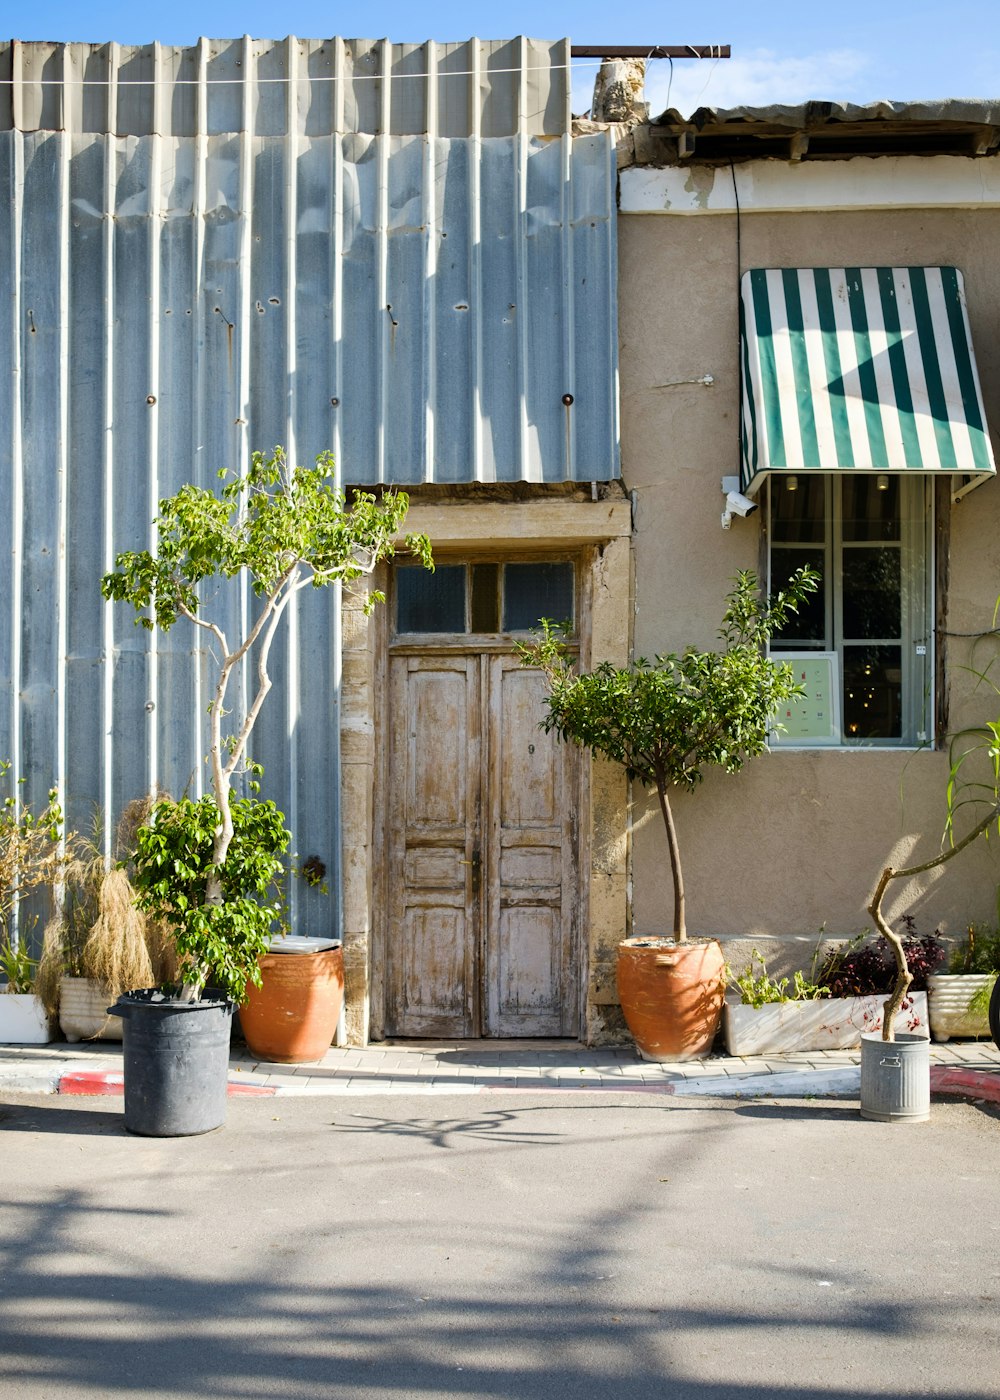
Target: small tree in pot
207 866
665 721
896 1087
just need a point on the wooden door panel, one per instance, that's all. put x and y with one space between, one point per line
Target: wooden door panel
529 975
434 822
432 945
527 866
437 780
530 954
529 769
466 958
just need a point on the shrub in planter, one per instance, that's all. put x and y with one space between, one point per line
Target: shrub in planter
217 944
774 1016
99 943
33 853
665 721
959 999
866 966
22 1016
974 783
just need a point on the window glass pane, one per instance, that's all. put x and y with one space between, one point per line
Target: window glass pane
534 591
485 598
872 592
873 692
798 515
430 602
807 627
870 514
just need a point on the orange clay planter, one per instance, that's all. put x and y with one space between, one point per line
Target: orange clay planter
292 1017
671 995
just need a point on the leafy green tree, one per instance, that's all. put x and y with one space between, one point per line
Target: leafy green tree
283 529
667 719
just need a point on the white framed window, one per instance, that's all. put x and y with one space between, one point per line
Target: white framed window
870 538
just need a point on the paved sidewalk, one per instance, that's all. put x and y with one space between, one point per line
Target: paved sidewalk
967 1068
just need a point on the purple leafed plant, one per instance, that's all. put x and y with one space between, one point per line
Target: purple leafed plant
868 968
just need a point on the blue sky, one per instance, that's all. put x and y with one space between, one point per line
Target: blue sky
857 51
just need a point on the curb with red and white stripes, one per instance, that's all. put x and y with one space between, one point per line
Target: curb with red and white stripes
952 1080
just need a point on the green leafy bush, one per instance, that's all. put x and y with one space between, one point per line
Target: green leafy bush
215 942
761 989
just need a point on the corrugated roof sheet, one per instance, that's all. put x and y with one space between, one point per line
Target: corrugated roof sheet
802 115
820 131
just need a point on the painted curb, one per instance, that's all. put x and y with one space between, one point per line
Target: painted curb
966 1083
31 1081
956 1080
782 1084
111 1082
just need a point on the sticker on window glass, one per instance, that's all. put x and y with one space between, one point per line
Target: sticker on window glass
813 718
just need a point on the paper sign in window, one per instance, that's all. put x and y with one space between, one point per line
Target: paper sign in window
813 718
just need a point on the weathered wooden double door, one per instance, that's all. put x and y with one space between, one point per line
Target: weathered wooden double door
482 852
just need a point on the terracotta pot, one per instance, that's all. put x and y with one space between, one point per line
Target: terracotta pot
671 995
292 1017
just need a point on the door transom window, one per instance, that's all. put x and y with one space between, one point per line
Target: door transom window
483 598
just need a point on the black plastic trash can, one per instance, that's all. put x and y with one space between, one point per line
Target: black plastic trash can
176 1063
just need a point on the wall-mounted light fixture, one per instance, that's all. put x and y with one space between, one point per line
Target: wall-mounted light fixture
882 482
791 483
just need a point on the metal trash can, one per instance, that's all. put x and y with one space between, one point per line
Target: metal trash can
896 1078
176 1057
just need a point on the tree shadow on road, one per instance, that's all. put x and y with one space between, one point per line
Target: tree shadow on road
109 1289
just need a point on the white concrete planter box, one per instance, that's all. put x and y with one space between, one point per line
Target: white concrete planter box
832 1023
949 997
83 1011
22 1020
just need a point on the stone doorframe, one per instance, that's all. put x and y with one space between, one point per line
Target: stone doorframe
600 531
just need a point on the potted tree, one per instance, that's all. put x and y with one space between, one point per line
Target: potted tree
665 721
207 867
895 1084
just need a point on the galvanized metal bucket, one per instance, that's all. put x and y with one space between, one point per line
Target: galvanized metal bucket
896 1078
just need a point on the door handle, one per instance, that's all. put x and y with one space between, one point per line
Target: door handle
476 863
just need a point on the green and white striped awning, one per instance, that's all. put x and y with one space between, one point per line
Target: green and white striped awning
865 369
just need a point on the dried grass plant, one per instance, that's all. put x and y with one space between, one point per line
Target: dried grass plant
100 933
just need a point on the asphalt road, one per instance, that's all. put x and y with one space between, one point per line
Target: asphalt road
507 1245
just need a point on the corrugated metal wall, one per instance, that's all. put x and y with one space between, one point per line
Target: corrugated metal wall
396 252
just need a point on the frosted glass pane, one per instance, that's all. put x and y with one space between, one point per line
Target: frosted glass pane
430 602
534 591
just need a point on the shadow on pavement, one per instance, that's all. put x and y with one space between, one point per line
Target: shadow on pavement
62 1119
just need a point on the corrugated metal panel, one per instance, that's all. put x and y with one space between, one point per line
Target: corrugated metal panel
269 87
235 267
